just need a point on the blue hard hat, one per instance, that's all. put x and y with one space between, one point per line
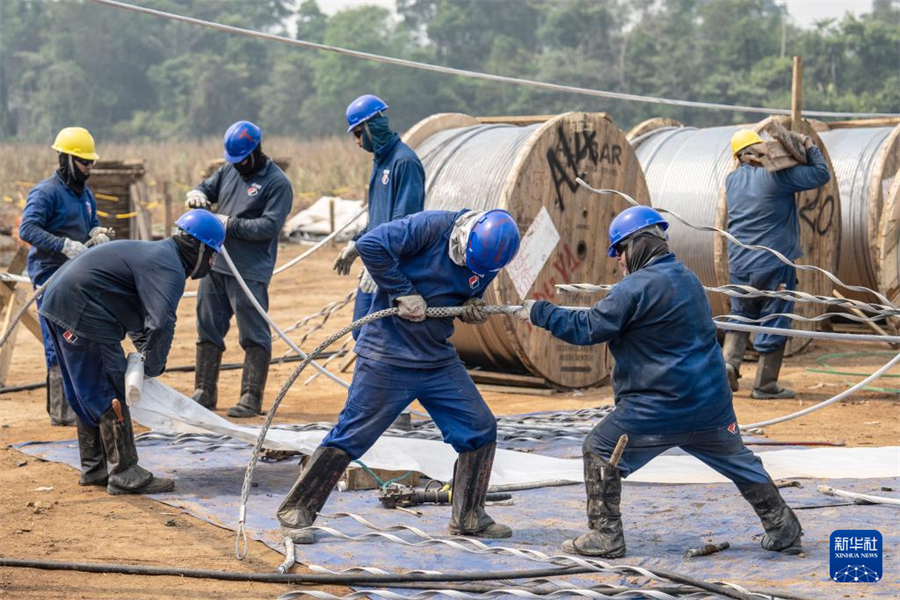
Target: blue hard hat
630 221
362 109
492 243
204 226
241 139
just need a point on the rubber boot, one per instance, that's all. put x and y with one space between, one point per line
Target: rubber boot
90 449
126 476
57 406
300 507
733 350
471 477
783 530
603 484
766 385
253 383
206 375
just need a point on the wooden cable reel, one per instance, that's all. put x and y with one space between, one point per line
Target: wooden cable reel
528 166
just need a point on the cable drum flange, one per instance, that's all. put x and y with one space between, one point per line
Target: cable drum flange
686 170
528 165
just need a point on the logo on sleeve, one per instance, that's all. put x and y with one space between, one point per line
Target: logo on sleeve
856 556
732 428
254 189
386 176
70 337
474 280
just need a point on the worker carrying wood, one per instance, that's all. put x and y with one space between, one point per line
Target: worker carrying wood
124 288
762 211
432 258
60 217
252 197
396 185
669 383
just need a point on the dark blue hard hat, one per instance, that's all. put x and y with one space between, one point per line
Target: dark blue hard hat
362 109
632 220
241 139
204 226
493 242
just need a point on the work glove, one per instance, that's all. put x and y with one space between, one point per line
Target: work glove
346 258
101 235
411 308
366 283
197 199
808 142
473 312
524 313
71 248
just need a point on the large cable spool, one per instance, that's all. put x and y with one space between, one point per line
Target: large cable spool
686 169
866 161
888 249
528 166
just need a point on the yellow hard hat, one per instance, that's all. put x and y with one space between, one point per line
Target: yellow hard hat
743 138
76 141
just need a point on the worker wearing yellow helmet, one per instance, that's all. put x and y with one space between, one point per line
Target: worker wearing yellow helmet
762 211
60 221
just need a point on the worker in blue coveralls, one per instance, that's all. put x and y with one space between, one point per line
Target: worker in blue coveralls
396 185
762 211
432 258
253 197
123 288
59 220
669 383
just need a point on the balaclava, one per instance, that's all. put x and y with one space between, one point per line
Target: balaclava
257 161
644 246
71 174
377 135
459 235
196 257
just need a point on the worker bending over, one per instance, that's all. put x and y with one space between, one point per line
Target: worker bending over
669 383
432 258
762 211
60 217
123 288
396 185
252 197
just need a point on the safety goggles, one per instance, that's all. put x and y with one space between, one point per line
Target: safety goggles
83 161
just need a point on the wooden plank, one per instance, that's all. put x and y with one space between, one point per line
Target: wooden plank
16 267
479 376
508 389
167 207
797 95
876 122
20 296
519 120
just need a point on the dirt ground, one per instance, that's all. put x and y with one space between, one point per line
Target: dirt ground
71 523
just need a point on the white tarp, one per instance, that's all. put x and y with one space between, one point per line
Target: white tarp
163 409
315 221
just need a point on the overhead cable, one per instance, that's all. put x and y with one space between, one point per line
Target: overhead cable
400 62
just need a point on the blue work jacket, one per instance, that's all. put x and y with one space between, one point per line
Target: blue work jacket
53 213
396 185
257 208
669 375
762 211
406 257
121 288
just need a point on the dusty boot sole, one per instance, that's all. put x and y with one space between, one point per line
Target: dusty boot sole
298 536
241 412
569 547
154 486
784 394
201 397
494 532
98 483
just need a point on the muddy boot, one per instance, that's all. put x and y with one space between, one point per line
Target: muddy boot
766 385
603 484
783 530
471 476
57 406
125 475
733 350
90 449
206 375
310 492
253 383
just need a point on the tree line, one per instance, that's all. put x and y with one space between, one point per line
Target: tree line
127 76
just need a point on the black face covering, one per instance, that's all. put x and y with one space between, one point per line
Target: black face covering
252 164
71 174
642 248
196 257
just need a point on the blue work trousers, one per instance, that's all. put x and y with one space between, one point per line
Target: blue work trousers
93 373
219 297
49 349
721 449
379 393
783 278
361 307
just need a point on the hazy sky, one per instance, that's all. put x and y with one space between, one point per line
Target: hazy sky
804 12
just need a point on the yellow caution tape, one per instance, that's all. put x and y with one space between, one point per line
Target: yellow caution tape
101 213
152 204
105 197
25 183
7 199
126 215
340 190
308 194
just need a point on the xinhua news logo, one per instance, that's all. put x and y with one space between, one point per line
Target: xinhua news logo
856 556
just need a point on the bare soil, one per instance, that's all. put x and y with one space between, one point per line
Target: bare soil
71 523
